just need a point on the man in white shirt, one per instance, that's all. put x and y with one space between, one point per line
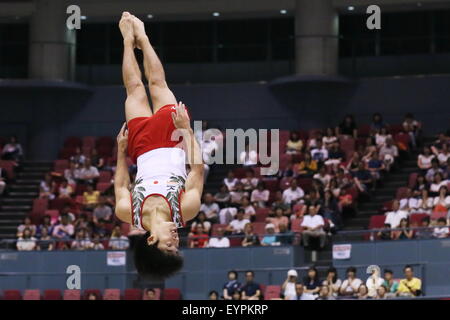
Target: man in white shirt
394 217
209 207
238 224
319 153
409 203
220 241
88 173
293 193
313 227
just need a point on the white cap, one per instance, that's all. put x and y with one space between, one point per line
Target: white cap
292 273
270 225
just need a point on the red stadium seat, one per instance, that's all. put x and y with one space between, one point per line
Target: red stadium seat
215 227
132 294
103 186
395 129
239 172
285 159
54 215
271 184
8 166
259 228
73 142
70 294
52 294
61 165
416 218
87 292
401 193
235 241
364 130
171 294
285 183
438 214
32 294
39 206
412 179
60 203
296 225
88 142
261 214
105 176
376 222
272 292
402 140
12 295
111 294
305 183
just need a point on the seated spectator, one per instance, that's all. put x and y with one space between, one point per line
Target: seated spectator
381 137
230 181
250 182
441 230
293 194
96 244
388 153
78 158
308 166
227 214
329 209
319 153
222 198
375 166
101 228
117 241
219 241
269 239
12 150
248 157
286 172
250 239
324 294
410 286
425 232
82 222
314 140
26 225
433 170
373 283
381 293
45 242
385 233
284 235
88 173
437 184
260 196
311 283
442 155
81 241
65 190
313 227
210 208
46 223
409 202
213 295
198 238
288 288
248 209
335 156
96 160
404 233
351 284
201 219
279 203
332 282
425 204
362 292
92 296
323 176
47 187
150 294
377 122
348 127
250 290
424 159
412 127
90 197
390 284
237 295
3 180
394 216
279 219
363 179
441 203
72 174
102 211
238 194
64 230
330 138
231 286
294 144
26 241
238 224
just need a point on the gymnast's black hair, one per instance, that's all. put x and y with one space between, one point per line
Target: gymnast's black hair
153 262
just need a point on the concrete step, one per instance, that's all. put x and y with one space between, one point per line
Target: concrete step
10 222
16 208
23 188
37 169
28 182
17 201
22 194
30 175
12 215
28 164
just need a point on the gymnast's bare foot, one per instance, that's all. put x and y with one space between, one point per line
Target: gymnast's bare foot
139 32
126 27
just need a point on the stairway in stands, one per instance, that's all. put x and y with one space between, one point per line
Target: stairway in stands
18 201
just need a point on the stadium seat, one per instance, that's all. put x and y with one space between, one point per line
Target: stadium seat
54 215
59 203
272 292
285 159
215 227
271 184
73 142
105 176
171 294
52 294
132 294
402 140
364 130
157 294
437 215
103 186
32 294
88 142
261 214
412 179
296 225
305 183
70 294
61 165
377 221
259 228
111 294
416 218
8 166
87 292
401 193
12 295
285 182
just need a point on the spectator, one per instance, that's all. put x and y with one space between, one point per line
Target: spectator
323 176
12 150
279 219
441 231
249 182
362 293
330 209
288 288
102 211
82 222
313 227
335 156
311 283
390 284
238 224
260 196
315 139
26 242
226 215
90 197
45 242
279 203
210 208
231 286
375 167
26 225
324 294
230 181
81 241
96 160
46 223
434 169
293 194
412 127
92 296
424 159
308 166
64 230
3 180
373 283
151 294
72 174
381 293
238 194
441 203
223 196
348 127
237 295
381 137
199 238
330 138
319 153
250 290
410 286
425 204
269 238
394 216
404 233
284 235
350 285
248 209
213 295
248 157
377 122
443 155
250 238
88 173
363 178
294 144
65 190
78 158
219 241
117 241
388 153
47 187
332 282
201 219
385 233
425 232
96 244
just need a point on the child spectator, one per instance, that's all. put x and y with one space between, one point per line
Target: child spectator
201 219
270 238
250 239
45 242
26 242
441 231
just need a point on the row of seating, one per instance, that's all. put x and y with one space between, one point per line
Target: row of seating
107 294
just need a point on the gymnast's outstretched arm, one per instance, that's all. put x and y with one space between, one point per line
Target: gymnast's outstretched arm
191 199
160 93
122 178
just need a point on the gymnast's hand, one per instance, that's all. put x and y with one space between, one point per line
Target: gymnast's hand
180 117
122 139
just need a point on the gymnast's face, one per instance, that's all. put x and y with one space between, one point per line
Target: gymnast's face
167 237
